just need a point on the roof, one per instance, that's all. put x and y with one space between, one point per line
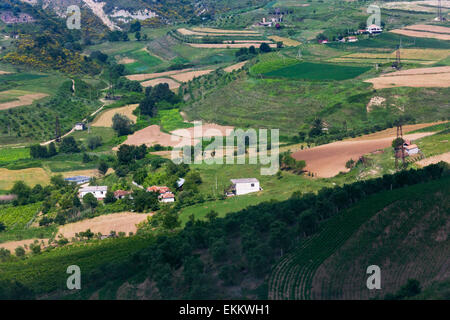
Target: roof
413 146
244 180
180 182
94 188
167 195
121 193
78 178
158 189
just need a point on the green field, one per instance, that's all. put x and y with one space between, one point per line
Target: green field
170 120
14 154
435 144
315 71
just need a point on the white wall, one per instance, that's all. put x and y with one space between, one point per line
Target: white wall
244 188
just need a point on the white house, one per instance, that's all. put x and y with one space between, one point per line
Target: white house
373 29
167 197
412 149
98 192
244 186
80 126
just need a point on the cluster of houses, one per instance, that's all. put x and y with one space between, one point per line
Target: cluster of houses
372 29
99 192
271 22
10 18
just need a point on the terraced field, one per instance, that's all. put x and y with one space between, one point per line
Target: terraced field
293 276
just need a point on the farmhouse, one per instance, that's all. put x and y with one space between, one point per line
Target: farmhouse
374 29
121 194
352 39
80 126
243 186
99 192
78 179
167 197
412 149
161 190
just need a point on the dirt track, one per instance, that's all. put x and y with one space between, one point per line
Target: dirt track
328 160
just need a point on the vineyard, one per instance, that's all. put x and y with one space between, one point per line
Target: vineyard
293 276
18 217
47 272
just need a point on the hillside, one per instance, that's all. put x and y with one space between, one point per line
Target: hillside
205 257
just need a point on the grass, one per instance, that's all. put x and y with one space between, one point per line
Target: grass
31 176
435 144
170 120
315 71
273 188
14 154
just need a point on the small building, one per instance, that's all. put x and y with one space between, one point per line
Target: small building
80 126
352 39
323 41
243 186
412 149
374 29
167 197
99 192
78 179
121 194
180 183
158 189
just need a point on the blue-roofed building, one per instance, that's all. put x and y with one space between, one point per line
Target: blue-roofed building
78 179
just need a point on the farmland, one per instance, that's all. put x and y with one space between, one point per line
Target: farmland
296 273
313 71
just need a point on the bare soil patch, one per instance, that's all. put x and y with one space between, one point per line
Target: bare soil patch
428 28
105 118
126 60
119 222
151 83
328 160
435 159
234 67
421 77
188 76
228 45
147 76
30 176
4 72
24 100
153 135
206 130
421 34
12 245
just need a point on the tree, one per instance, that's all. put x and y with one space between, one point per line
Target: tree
22 191
52 150
109 198
37 151
103 167
397 143
20 251
252 50
90 201
121 124
69 145
316 129
135 26
138 36
2 227
264 47
94 142
144 201
171 220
